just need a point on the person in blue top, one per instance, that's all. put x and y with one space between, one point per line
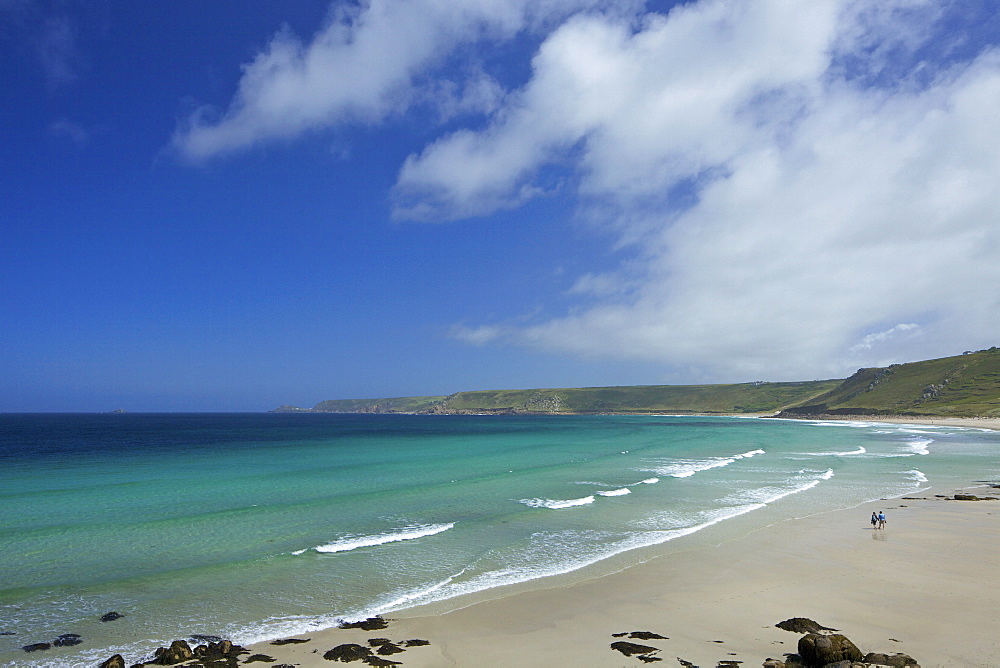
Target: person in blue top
881 520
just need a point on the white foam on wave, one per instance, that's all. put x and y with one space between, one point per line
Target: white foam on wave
767 495
917 476
854 424
401 600
648 481
354 542
616 492
860 451
685 468
557 504
919 445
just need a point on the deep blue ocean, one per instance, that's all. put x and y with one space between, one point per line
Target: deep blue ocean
257 526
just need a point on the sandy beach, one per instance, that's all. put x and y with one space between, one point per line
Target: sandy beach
923 586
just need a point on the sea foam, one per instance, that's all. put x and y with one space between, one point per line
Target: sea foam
860 451
919 445
770 494
616 492
685 468
557 504
354 542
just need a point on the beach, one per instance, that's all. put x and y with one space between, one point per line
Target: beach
496 541
923 587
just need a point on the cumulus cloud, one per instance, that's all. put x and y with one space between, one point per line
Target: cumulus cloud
651 106
363 66
798 188
828 203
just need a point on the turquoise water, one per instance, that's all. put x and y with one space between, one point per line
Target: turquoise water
260 526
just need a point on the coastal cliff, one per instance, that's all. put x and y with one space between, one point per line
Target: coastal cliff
966 385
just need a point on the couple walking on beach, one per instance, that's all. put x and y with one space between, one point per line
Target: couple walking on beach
878 520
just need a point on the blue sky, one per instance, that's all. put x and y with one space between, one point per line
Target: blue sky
235 205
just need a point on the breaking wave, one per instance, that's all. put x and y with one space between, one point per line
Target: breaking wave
355 542
557 504
685 468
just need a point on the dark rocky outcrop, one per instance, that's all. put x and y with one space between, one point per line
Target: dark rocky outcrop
222 654
214 651
389 648
773 663
197 637
820 650
375 642
416 642
114 662
897 660
802 625
178 652
38 646
67 640
379 661
370 624
290 641
632 649
640 635
261 658
111 616
348 652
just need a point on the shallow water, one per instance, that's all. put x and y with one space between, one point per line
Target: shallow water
256 526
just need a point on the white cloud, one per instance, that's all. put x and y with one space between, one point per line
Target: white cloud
830 206
871 340
802 186
361 67
677 97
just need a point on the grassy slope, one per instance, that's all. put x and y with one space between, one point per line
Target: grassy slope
393 405
961 386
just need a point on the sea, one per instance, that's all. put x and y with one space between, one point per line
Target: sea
260 526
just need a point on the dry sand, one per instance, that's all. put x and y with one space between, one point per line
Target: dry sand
926 586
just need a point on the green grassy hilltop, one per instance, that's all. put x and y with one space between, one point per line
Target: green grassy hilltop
962 386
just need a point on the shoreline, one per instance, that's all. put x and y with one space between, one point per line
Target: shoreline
716 595
991 424
905 589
